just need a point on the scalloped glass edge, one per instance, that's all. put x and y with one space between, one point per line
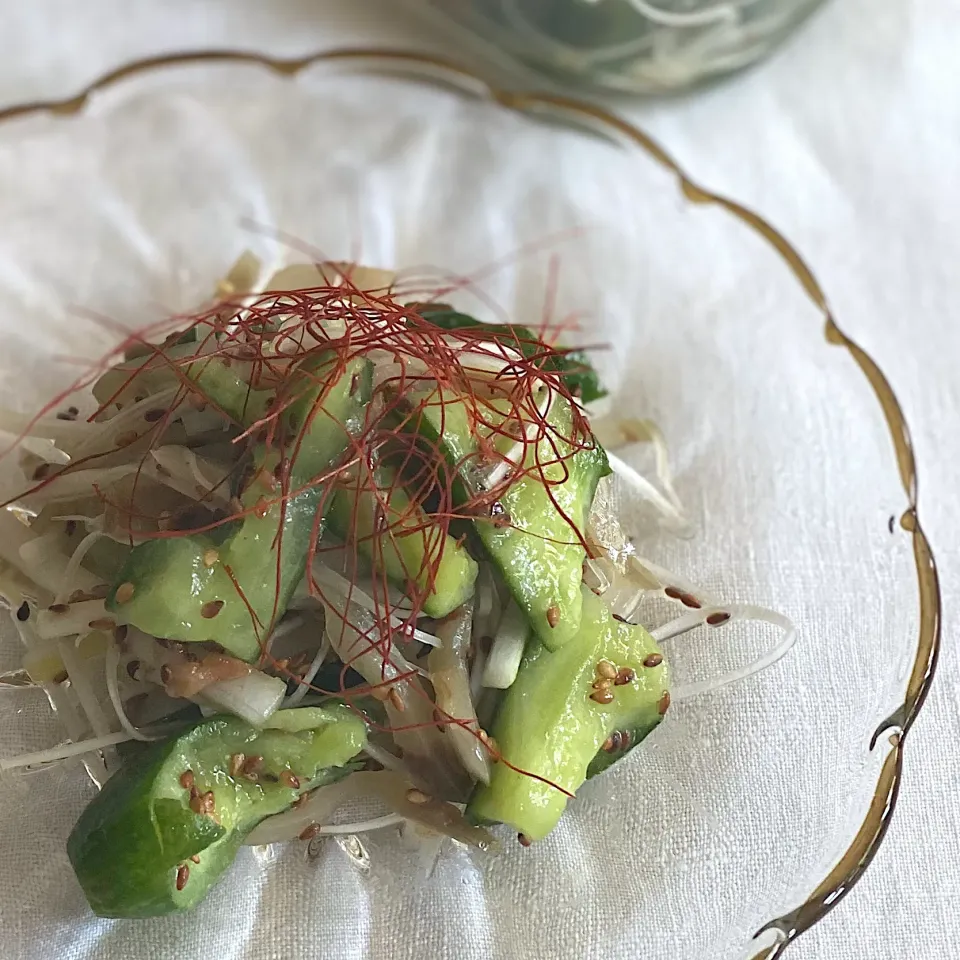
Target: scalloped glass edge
773 937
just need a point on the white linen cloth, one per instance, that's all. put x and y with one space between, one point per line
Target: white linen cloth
848 140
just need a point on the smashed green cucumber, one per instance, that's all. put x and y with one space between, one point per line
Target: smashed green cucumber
531 532
169 823
189 588
555 722
410 548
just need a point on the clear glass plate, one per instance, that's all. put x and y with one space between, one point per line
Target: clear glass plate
749 812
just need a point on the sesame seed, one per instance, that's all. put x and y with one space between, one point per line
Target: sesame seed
673 593
73 410
553 615
250 767
195 859
603 683
102 623
209 610
236 764
183 875
689 600
308 833
663 704
290 780
261 508
380 693
152 416
77 596
417 796
715 619
619 619
186 779
653 660
602 696
396 700
61 677
300 801
625 675
58 608
606 669
23 611
124 593
523 840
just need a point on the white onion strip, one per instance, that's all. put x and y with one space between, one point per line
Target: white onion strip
674 517
696 618
112 661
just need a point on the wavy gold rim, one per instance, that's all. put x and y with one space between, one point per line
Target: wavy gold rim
852 864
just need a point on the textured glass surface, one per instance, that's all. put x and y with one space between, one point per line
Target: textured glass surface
737 808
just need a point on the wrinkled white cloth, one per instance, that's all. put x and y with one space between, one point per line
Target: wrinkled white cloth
849 141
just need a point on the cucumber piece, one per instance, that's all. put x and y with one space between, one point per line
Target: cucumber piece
531 533
413 552
573 365
549 724
186 587
137 836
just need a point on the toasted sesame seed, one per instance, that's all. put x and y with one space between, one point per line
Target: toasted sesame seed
236 764
618 618
689 600
309 832
396 700
261 508
102 623
553 615
663 704
300 801
673 593
209 803
523 840
625 675
602 683
715 619
250 767
77 596
23 611
380 693
653 660
58 608
417 796
183 875
195 859
209 610
289 779
606 669
602 696
186 779
124 593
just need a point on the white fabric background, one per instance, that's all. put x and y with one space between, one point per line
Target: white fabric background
849 141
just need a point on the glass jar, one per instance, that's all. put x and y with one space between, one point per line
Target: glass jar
637 46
